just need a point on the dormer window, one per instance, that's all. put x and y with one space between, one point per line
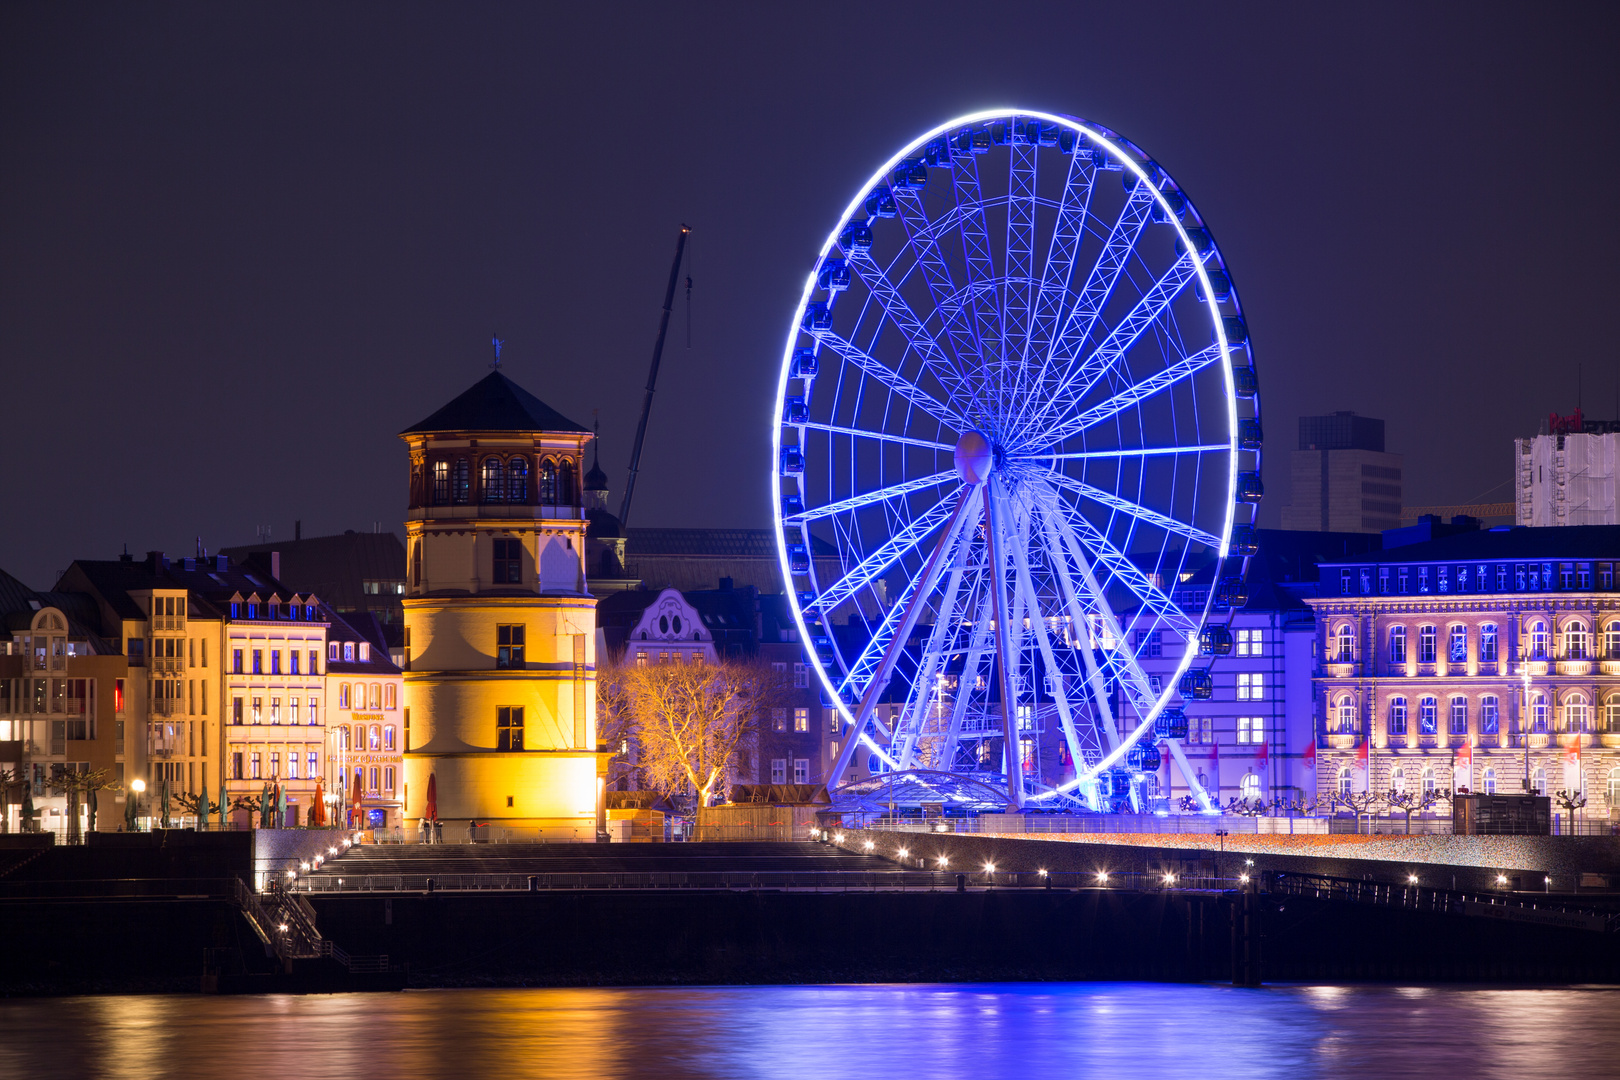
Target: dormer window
253 611
348 652
236 610
365 652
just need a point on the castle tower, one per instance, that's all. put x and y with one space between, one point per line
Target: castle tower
500 684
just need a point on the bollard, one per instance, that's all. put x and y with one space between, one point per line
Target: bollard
961 883
534 883
430 886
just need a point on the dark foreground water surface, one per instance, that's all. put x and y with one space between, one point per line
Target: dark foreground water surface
1024 1030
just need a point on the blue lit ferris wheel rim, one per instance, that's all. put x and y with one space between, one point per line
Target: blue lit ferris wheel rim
1152 179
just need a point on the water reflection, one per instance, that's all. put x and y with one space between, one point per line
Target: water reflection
1024 1030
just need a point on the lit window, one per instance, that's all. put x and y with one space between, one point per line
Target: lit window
1346 714
1487 643
1251 686
778 719
1249 786
509 728
1459 715
1538 713
517 480
1490 715
343 695
1397 644
441 482
1577 715
390 696
1397 716
461 482
493 487
509 644
1344 780
1428 716
388 737
256 767
1538 640
1488 781
1576 640
1429 781
1457 644
1345 644
801 719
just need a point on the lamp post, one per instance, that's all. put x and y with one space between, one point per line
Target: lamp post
136 786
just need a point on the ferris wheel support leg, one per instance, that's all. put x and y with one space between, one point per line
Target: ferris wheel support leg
880 677
1108 725
1191 777
1060 692
995 510
933 660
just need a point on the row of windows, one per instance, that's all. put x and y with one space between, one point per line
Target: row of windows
377 738
347 652
801 770
272 609
256 760
374 696
1576 715
1477 578
1575 642
503 480
252 710
801 720
1150 643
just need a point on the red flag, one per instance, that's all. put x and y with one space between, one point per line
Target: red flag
1262 752
1310 753
1462 768
1572 764
1361 765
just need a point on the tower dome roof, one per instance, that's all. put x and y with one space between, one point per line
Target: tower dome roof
496 403
596 479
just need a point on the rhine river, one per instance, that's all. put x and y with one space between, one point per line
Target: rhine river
1024 1030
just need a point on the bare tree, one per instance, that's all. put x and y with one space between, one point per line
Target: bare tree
78 786
1357 802
1414 802
686 721
1572 802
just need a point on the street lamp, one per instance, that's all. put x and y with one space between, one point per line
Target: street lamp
136 786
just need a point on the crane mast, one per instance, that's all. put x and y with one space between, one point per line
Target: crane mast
652 378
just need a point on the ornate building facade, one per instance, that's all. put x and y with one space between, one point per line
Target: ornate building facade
500 686
1485 661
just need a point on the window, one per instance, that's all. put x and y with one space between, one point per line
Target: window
1423 579
801 676
390 697
388 779
509 645
1251 687
1201 731
314 666
1426 644
508 562
1397 781
1459 715
1383 580
1397 644
348 652
1611 641
388 737
1539 783
1249 642
255 772
334 653
1457 644
565 483
778 770
1428 716
275 710
292 661
1344 647
1251 729
236 767
493 488
441 483
1606 576
548 485
373 774
460 482
1249 786
236 712
801 719
343 695
1345 714
364 650
1344 582
801 770
275 661
1577 715
1344 780
374 739
1537 640
313 718
1538 713
1149 643
1576 641
292 710
1490 715
1487 643
1429 782
1397 716
778 719
1488 781
1501 577
509 728
275 765
517 480
1611 716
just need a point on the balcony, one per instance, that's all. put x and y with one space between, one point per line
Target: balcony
1537 667
1574 667
1611 667
1343 741
168 665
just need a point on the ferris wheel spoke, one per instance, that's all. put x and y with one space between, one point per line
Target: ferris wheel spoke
1076 531
1072 212
1060 694
892 379
1081 615
929 669
937 275
1135 395
856 502
978 293
1138 511
1105 274
1019 275
1153 451
881 436
1155 301
879 561
997 539
899 312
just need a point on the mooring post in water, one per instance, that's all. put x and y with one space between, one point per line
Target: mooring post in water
1246 934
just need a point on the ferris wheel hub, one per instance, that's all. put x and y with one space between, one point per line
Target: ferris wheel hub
975 457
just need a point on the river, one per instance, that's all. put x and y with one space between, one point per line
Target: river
1024 1030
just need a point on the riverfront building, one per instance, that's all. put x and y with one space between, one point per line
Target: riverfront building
1483 661
500 635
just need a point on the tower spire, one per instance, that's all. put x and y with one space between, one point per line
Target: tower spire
496 342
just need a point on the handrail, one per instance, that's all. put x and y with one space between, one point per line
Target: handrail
897 880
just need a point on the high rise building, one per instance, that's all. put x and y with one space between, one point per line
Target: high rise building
1342 479
500 687
1567 476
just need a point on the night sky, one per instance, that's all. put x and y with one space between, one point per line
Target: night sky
243 245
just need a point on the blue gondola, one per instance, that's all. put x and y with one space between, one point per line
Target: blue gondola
1245 381
1214 641
1101 159
806 598
1178 203
1237 331
856 237
1171 724
795 411
1220 283
817 316
1249 487
1245 540
799 558
1144 756
1115 783
880 202
1249 434
792 461
1067 140
911 173
1231 593
805 364
792 504
834 274
1202 242
1197 685
938 153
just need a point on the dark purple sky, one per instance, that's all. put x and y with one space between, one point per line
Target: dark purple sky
242 245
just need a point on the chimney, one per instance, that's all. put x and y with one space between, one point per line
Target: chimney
275 565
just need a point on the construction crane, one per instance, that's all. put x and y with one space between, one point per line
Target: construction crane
652 378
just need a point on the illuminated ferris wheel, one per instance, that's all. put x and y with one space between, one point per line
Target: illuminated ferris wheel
1017 447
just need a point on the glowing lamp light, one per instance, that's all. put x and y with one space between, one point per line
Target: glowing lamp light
1102 876
1169 879
1411 879
989 867
138 785
1042 873
303 866
1501 879
282 928
292 873
870 845
331 851
902 853
838 838
1248 862
1243 878
943 861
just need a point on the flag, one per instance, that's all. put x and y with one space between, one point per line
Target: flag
1462 768
1262 753
1310 754
1361 764
1572 764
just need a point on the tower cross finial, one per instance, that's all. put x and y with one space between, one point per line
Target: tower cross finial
497 343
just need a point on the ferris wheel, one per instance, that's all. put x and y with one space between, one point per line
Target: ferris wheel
1016 451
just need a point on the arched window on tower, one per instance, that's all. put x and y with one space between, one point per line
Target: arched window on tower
441 483
565 484
517 479
548 482
493 488
461 482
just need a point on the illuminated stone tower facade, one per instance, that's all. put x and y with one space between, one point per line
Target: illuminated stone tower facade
500 684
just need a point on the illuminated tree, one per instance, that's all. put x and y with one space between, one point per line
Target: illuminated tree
78 786
685 722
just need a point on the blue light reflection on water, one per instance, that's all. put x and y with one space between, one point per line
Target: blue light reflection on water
1030 1031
